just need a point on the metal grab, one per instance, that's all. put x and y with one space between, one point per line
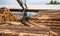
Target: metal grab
24 8
25 18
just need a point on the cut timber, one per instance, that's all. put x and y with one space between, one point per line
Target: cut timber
47 15
54 33
36 10
44 18
6 15
29 24
14 23
37 25
23 30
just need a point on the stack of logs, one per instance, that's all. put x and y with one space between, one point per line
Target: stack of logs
6 15
48 18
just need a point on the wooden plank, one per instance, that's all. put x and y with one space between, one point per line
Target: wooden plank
25 29
36 10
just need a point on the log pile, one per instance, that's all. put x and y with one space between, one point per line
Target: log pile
48 18
35 23
23 30
6 15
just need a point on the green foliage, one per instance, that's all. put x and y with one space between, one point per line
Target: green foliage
51 2
54 2
58 3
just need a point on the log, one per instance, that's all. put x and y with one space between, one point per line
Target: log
44 18
6 15
19 30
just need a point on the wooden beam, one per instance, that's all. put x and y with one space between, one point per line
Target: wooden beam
23 29
35 10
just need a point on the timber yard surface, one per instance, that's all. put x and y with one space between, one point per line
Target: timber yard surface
45 23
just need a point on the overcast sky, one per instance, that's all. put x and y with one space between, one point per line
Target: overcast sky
29 2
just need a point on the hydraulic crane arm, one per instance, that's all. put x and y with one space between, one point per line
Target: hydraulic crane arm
20 3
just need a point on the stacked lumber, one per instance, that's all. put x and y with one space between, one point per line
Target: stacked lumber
6 15
48 18
35 27
47 15
23 30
